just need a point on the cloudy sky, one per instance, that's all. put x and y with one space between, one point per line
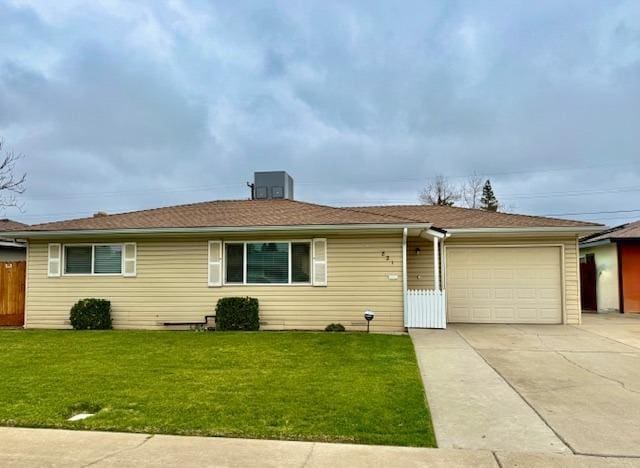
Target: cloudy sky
120 105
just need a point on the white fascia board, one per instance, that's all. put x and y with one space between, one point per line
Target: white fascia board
528 230
430 233
205 230
587 244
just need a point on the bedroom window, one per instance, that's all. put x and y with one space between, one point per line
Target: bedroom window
268 262
99 259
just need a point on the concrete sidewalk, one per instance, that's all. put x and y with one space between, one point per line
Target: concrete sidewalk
61 448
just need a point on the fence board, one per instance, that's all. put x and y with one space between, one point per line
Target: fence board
425 309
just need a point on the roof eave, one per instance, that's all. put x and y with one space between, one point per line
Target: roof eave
525 230
205 230
595 243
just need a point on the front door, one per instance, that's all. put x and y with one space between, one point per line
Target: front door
588 295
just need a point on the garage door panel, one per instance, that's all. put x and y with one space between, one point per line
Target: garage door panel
481 314
504 284
457 293
502 313
459 314
525 293
501 293
502 274
480 294
527 314
480 274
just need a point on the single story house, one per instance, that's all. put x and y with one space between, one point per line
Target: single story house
309 265
610 269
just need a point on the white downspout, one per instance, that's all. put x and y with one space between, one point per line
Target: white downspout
436 263
404 275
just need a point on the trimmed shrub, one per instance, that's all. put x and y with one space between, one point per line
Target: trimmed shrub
91 314
335 327
237 313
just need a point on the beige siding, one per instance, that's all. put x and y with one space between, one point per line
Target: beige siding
571 273
420 274
171 285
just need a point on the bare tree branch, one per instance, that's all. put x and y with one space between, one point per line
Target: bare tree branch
472 190
439 192
10 182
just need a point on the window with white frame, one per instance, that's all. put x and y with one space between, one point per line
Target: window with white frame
275 262
98 259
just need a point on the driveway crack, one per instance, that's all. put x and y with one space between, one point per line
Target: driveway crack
563 355
118 452
591 371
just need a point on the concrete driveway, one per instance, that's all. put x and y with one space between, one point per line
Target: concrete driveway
543 387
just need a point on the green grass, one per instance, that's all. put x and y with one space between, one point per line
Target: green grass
341 387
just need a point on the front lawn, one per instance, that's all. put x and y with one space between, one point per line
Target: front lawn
341 387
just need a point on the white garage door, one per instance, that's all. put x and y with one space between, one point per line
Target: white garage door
504 284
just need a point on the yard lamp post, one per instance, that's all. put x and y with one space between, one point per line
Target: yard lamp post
368 316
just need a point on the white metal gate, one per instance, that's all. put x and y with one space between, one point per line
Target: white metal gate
425 309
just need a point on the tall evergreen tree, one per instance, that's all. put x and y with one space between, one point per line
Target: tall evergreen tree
488 201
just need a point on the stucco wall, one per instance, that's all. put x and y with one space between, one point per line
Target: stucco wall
606 257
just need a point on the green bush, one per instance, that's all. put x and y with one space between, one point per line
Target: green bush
335 327
91 314
237 313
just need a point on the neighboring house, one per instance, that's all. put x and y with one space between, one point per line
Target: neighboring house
309 265
610 269
10 249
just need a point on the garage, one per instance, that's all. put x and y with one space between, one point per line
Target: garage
511 284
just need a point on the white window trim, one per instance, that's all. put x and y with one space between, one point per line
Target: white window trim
273 241
63 265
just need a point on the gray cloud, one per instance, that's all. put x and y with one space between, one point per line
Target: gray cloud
165 103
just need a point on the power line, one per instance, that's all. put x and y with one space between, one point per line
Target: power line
591 212
69 196
573 193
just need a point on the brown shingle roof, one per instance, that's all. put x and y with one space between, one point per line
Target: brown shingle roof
225 213
624 231
11 225
264 213
450 217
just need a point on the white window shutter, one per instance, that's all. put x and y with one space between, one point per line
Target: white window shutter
319 262
55 259
215 263
129 259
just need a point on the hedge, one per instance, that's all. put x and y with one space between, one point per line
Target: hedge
237 313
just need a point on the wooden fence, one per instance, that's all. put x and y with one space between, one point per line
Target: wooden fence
12 291
425 309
